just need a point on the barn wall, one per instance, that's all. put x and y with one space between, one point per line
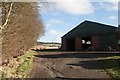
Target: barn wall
118 43
109 40
64 44
95 42
78 44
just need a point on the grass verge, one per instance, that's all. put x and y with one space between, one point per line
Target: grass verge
112 66
19 67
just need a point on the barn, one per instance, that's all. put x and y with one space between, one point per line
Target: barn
90 35
118 36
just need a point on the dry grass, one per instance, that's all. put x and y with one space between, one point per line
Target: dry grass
19 67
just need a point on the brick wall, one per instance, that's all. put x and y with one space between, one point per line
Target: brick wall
78 44
95 42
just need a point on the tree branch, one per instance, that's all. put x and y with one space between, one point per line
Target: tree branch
9 12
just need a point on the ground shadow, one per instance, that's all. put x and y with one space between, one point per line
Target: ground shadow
78 55
64 78
98 64
46 50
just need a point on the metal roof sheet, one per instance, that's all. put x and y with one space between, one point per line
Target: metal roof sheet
88 28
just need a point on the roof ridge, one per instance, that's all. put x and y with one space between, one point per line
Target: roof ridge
99 23
93 23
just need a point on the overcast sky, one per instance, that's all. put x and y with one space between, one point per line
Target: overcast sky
61 17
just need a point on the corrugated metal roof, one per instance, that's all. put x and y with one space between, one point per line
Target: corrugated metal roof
88 28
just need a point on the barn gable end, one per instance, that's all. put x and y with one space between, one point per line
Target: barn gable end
90 35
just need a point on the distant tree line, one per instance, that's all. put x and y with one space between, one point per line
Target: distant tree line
48 43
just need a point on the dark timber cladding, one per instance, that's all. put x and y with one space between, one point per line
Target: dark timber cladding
90 36
118 37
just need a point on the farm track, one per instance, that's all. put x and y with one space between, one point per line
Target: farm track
69 65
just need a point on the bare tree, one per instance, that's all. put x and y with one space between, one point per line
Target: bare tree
21 25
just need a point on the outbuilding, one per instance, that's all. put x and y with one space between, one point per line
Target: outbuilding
90 36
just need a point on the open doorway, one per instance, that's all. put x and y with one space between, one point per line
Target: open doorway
86 43
71 44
